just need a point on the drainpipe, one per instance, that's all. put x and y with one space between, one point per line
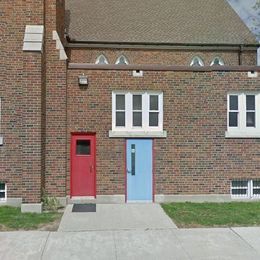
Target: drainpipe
240 55
258 56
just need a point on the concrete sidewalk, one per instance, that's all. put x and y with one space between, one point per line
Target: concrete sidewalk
218 243
129 232
117 217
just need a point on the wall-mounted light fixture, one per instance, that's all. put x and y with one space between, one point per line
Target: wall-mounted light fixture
83 80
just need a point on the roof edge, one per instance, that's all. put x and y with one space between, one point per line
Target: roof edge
144 45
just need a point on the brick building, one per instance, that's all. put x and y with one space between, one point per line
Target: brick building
125 101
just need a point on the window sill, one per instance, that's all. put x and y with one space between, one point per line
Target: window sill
242 135
146 134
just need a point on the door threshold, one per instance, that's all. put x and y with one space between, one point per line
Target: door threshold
139 201
83 198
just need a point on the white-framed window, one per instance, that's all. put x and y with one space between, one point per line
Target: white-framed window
249 189
101 59
3 192
217 61
137 111
197 62
243 115
122 60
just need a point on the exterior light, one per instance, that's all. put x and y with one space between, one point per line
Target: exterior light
83 80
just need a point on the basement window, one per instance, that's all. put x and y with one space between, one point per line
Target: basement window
2 192
248 189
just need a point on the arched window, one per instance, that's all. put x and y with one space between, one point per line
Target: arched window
101 59
217 61
197 61
122 60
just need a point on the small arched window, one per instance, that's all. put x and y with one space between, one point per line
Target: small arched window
101 59
197 62
217 62
122 60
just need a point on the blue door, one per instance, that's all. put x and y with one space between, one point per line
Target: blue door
139 170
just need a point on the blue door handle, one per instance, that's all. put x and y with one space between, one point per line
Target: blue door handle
128 171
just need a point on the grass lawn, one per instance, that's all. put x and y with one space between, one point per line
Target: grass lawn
188 215
12 219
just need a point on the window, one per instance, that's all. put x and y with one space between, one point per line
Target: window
217 62
122 60
137 111
239 188
83 147
243 115
197 62
245 189
2 191
101 59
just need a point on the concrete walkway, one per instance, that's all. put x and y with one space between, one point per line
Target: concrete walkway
117 217
129 232
238 243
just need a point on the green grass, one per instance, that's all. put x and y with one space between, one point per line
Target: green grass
11 218
214 214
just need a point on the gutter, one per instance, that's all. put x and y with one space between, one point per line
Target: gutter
160 46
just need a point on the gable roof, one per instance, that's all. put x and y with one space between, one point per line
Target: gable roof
155 22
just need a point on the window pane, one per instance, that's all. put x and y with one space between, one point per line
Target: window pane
2 186
239 192
256 191
137 118
83 147
153 119
233 119
256 183
2 195
120 118
120 102
250 119
239 184
233 102
250 102
154 102
137 102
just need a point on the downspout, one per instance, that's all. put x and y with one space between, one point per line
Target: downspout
240 61
258 56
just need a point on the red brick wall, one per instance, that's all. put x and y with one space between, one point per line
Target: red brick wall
55 157
195 158
166 57
20 90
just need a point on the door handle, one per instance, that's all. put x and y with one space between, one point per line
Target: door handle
128 171
91 167
133 159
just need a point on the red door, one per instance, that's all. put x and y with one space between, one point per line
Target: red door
83 168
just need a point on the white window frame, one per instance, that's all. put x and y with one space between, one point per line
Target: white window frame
5 191
242 131
145 111
221 62
201 63
118 60
250 190
99 57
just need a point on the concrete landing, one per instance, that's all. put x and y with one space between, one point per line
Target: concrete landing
117 217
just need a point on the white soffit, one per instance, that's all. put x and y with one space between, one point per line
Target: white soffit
33 38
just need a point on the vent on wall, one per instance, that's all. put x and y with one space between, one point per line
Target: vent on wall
33 38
